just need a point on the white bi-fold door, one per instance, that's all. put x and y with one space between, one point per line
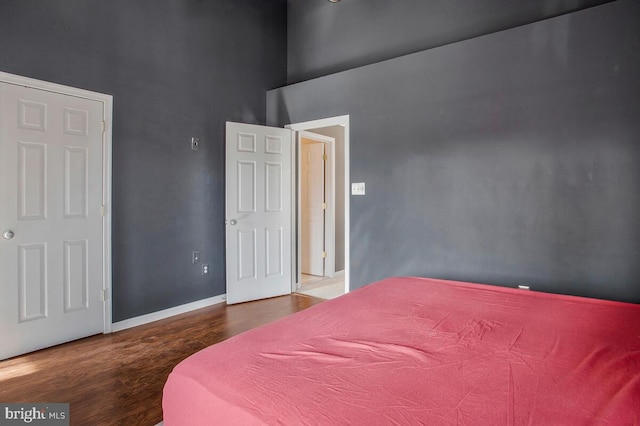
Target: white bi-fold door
51 220
258 212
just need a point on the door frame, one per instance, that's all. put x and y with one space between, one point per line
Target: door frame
330 199
107 102
343 121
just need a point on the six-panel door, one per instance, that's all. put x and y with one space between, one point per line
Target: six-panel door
51 275
258 212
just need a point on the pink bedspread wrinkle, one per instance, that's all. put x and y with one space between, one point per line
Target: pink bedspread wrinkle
407 351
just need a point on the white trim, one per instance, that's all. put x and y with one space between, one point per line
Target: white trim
52 87
107 101
342 120
108 211
294 236
167 313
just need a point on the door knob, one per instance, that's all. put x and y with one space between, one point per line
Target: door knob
8 234
232 222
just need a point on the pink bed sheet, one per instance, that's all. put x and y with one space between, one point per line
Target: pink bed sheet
407 351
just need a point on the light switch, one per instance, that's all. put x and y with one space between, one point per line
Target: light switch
357 188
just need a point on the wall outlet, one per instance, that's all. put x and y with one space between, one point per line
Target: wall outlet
195 143
195 257
205 269
357 188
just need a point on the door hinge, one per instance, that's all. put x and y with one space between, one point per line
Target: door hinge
104 126
102 211
324 206
324 254
105 295
324 157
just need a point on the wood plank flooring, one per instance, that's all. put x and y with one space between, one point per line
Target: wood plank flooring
117 379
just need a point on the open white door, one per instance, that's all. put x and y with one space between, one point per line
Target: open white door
258 212
51 241
312 207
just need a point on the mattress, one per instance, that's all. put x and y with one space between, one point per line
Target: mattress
408 351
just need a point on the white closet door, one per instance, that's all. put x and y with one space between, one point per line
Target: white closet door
51 248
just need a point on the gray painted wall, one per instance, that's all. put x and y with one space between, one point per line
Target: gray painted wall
176 69
511 158
325 38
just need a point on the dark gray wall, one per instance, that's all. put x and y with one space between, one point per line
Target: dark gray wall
512 158
326 37
176 69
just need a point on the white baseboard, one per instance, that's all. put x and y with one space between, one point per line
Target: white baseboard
177 310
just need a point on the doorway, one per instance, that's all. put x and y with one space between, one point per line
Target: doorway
316 209
334 281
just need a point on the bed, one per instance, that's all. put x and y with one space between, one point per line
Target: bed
407 351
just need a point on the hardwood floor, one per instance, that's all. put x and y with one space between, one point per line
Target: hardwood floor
117 379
